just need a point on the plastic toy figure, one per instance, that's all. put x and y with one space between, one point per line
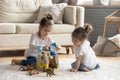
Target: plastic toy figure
43 61
50 72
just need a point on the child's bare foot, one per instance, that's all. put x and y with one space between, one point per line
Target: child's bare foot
14 61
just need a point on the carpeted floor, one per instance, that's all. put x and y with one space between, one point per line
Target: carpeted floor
110 70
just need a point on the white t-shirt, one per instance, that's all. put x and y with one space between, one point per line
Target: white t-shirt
89 59
36 41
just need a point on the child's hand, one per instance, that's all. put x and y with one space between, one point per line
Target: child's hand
58 47
73 70
46 48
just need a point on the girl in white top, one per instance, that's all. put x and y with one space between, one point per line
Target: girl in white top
40 38
85 56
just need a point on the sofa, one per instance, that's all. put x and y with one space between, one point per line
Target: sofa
17 23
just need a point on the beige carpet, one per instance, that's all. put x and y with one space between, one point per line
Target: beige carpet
110 70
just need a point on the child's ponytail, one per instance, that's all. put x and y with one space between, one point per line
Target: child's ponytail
88 28
82 33
46 20
49 16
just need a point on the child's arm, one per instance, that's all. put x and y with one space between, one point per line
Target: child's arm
77 64
32 43
54 44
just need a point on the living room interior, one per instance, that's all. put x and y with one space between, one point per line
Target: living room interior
20 18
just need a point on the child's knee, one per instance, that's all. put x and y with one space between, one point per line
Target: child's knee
24 62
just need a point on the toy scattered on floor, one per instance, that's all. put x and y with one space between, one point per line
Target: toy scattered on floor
54 62
28 67
42 61
47 61
50 72
33 72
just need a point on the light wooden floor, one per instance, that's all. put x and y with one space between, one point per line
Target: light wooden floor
9 55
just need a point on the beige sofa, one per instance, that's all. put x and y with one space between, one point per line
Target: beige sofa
17 23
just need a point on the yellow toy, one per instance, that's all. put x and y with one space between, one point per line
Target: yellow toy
42 61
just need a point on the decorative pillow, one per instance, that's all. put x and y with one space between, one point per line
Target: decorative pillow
116 39
99 46
106 47
57 10
46 2
111 49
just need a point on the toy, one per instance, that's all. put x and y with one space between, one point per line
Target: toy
43 61
53 44
33 72
50 72
54 62
31 69
40 49
46 62
52 53
47 59
23 68
28 67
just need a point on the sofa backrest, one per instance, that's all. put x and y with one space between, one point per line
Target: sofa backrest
19 11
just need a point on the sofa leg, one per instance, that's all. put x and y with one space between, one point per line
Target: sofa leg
67 50
68 47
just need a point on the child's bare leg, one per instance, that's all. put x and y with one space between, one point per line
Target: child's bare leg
86 69
17 62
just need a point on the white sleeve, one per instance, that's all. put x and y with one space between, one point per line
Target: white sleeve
79 51
50 40
32 43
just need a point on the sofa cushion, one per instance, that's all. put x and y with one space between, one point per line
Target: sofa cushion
57 10
7 28
63 28
14 40
32 28
22 40
80 16
20 10
46 2
26 28
70 15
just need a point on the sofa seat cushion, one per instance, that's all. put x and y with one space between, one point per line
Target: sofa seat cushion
62 28
6 28
32 28
22 40
26 28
